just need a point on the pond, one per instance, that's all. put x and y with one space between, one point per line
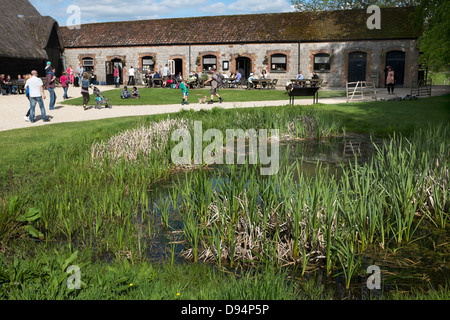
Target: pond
417 264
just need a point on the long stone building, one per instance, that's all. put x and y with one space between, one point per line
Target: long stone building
337 45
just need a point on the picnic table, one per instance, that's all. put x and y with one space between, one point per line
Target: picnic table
262 84
308 82
157 83
307 87
14 83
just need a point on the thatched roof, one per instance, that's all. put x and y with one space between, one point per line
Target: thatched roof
342 25
24 32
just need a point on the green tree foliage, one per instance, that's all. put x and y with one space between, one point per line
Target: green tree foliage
432 17
321 5
434 43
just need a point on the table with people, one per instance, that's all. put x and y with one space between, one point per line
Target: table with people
9 86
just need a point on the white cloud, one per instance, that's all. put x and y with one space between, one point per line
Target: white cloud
133 10
217 8
260 6
124 10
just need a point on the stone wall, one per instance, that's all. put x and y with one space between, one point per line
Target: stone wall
259 56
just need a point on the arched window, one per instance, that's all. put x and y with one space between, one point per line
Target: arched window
321 62
88 64
148 64
278 62
209 61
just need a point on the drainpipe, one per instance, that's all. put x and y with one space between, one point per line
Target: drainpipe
189 71
63 61
298 58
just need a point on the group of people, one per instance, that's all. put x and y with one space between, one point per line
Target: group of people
125 94
8 86
164 75
34 89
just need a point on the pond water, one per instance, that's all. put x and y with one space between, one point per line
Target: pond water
399 270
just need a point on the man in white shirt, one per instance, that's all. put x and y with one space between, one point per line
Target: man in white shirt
165 75
37 95
131 76
80 72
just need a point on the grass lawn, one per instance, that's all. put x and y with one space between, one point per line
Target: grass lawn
31 151
440 78
157 96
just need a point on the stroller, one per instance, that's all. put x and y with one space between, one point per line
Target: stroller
101 100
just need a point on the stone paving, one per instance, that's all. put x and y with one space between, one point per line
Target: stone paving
14 107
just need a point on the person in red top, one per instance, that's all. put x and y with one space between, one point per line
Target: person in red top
116 76
70 74
65 84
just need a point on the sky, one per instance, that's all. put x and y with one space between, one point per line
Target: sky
71 12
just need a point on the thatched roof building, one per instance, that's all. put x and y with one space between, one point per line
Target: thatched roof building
27 39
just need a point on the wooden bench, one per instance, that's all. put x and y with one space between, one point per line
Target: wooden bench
304 92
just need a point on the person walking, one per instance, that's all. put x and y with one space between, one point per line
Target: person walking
390 80
116 77
37 94
85 85
64 83
165 75
214 85
80 72
131 76
27 94
185 92
51 84
70 73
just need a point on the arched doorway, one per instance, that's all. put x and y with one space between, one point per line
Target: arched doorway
396 59
357 62
178 66
109 66
244 66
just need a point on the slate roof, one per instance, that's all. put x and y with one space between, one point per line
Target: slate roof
255 28
24 32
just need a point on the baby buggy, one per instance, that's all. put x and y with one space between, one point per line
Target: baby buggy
101 100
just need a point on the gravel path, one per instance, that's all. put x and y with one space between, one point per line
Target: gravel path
14 107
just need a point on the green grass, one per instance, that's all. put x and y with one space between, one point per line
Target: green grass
440 78
161 96
41 145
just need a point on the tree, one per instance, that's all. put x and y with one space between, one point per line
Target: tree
431 17
434 43
322 5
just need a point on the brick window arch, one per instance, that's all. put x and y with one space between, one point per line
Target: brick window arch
209 61
322 62
278 62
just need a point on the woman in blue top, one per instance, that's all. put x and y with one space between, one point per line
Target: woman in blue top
27 94
85 85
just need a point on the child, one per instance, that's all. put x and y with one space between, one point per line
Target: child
27 94
65 84
125 93
184 90
135 93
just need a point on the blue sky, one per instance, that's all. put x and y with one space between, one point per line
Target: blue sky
121 10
